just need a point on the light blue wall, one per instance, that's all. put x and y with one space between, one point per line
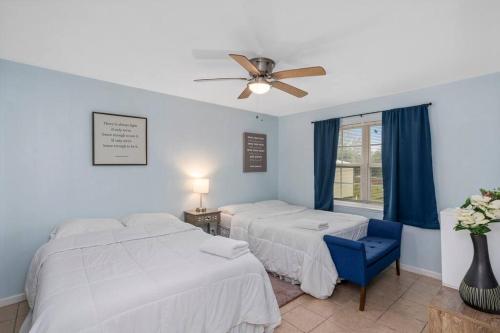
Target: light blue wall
465 127
45 158
46 174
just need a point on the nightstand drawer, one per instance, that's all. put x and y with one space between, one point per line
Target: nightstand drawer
211 218
203 218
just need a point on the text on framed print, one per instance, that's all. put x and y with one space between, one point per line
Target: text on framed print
255 152
119 139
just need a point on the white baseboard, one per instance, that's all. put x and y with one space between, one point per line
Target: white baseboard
421 271
12 300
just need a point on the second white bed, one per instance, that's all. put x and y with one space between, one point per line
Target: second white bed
298 254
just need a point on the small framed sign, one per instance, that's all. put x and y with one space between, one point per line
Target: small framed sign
119 139
255 152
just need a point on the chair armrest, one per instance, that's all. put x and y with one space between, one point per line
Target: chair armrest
347 243
349 258
385 229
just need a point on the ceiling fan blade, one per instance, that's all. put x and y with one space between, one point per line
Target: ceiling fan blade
245 63
299 72
289 89
245 94
221 79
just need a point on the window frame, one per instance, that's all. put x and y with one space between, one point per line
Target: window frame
365 165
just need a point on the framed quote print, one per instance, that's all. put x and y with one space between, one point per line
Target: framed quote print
119 139
254 152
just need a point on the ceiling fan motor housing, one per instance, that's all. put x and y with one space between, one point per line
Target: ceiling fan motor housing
264 65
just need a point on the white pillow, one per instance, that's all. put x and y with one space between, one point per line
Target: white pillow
238 208
82 226
148 219
271 203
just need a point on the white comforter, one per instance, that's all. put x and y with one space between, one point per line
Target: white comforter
149 279
296 253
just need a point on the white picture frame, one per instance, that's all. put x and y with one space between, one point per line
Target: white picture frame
119 139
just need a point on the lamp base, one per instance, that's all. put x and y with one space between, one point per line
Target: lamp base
201 209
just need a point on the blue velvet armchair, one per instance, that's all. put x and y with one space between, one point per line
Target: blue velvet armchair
360 261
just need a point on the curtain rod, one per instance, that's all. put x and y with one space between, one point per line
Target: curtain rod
364 114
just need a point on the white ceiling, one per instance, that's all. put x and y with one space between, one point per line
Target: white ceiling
368 48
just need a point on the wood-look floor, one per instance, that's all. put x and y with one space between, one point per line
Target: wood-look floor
394 304
12 317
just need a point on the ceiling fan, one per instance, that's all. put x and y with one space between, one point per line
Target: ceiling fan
262 77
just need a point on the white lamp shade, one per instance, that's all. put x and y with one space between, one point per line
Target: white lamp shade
201 185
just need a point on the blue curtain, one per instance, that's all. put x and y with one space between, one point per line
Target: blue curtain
409 195
326 139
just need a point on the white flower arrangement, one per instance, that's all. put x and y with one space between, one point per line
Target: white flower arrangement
478 211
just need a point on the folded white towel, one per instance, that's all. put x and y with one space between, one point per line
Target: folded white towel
224 247
311 224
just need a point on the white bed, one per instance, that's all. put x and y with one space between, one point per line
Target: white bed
297 254
225 224
149 278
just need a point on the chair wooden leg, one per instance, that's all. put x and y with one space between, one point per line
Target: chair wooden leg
362 299
397 267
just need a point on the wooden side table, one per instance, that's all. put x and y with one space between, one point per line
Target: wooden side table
448 313
208 220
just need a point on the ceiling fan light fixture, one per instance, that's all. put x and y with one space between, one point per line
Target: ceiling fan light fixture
262 77
259 86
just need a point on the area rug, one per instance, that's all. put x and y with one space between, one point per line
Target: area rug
285 292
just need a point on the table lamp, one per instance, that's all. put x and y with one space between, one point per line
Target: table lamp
201 185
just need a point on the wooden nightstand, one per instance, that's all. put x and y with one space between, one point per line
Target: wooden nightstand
208 220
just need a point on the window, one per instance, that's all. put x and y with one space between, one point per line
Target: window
358 175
